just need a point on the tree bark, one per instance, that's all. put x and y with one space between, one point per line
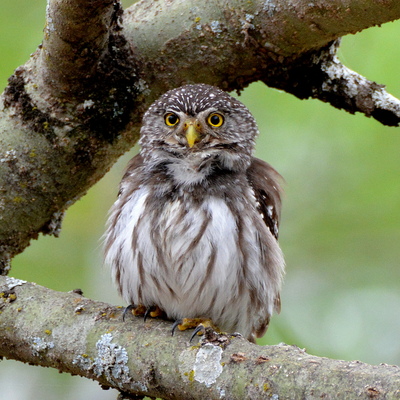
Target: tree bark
76 105
76 335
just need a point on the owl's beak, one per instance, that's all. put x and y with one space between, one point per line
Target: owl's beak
192 132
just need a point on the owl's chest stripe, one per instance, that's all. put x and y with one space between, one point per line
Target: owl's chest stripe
188 240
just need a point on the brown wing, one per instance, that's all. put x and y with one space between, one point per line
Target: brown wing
266 183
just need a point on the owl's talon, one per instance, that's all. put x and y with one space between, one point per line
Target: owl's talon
135 310
199 325
153 311
147 313
200 328
130 308
175 325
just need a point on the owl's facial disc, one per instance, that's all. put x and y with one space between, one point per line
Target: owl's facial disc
193 132
186 130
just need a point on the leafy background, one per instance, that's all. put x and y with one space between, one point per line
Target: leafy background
341 219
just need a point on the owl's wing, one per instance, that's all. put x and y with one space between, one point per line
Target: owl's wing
266 183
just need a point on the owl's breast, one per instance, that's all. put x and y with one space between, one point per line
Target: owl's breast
193 257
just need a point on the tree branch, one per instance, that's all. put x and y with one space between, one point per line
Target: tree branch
322 76
77 36
76 105
87 338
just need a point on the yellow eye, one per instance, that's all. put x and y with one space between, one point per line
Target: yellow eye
171 119
215 120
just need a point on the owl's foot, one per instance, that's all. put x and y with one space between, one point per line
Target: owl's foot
154 312
139 310
199 325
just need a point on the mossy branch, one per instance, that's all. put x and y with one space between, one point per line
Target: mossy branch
76 335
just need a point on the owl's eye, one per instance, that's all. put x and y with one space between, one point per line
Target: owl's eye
215 120
171 119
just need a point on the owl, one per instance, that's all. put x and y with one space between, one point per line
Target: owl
194 229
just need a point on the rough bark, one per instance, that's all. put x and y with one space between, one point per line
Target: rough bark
75 106
76 335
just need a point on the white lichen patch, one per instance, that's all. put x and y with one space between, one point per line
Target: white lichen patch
39 345
337 71
221 393
88 103
50 25
247 22
111 360
142 87
49 21
54 226
11 282
10 156
215 26
385 100
270 6
207 367
83 361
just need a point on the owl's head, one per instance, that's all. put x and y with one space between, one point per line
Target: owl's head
199 122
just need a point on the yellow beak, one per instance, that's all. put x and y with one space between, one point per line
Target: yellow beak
192 133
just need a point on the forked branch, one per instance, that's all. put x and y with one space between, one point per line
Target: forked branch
76 105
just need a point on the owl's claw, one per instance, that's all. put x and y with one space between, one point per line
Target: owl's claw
147 313
129 308
199 325
175 325
153 311
200 328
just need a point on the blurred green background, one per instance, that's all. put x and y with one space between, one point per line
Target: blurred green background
341 218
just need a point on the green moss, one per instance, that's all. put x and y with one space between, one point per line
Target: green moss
191 375
12 297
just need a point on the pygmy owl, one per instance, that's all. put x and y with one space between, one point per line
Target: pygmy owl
194 229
